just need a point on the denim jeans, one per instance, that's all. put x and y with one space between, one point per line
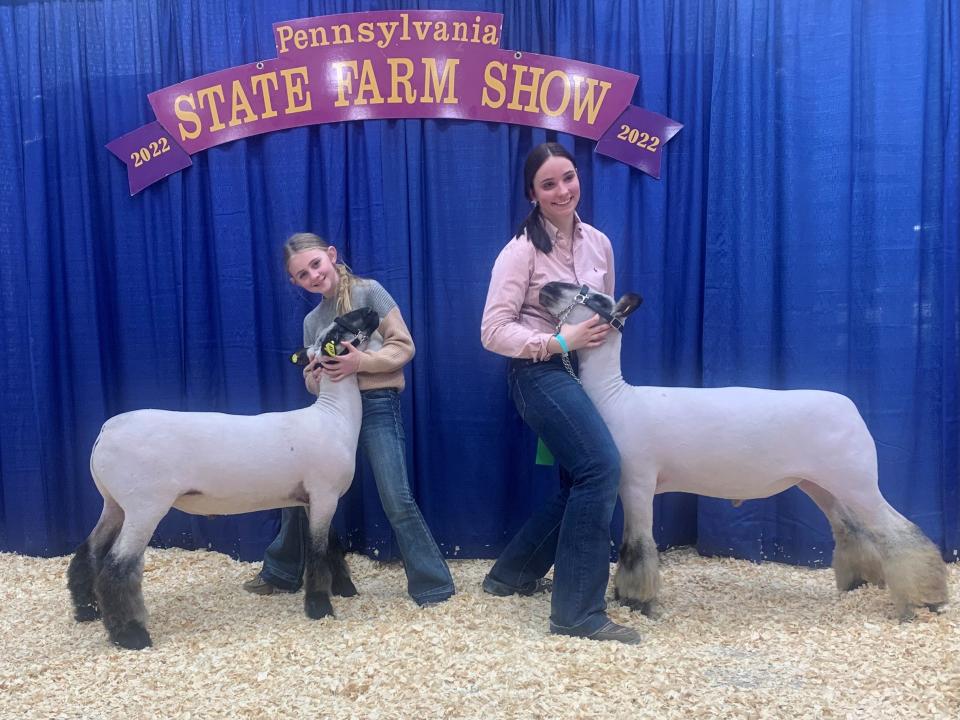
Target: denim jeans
382 440
572 532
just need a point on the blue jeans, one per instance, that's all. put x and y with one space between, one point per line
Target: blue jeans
382 440
572 532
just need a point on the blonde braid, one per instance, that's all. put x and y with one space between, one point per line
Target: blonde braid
344 286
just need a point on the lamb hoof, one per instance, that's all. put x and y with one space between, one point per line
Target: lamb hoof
651 609
648 608
853 585
318 606
906 614
133 636
936 607
86 613
344 587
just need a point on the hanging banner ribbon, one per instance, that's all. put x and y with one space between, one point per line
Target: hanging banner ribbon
388 65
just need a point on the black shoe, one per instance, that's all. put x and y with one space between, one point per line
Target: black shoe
258 586
609 631
617 633
534 587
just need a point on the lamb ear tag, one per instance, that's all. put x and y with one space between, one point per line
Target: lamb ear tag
299 357
544 456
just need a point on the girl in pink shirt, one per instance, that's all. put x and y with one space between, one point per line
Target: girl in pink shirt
572 532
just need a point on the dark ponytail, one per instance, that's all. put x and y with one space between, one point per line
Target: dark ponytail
532 225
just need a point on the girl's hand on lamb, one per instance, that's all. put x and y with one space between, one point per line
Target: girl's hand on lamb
343 365
311 375
590 333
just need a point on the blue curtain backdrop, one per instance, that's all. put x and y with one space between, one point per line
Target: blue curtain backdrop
804 235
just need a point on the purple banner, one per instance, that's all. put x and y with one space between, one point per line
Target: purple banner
396 64
150 155
637 138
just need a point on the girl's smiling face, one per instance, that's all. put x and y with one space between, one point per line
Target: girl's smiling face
556 188
314 270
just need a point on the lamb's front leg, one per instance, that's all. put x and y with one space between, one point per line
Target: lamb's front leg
637 582
342 584
318 580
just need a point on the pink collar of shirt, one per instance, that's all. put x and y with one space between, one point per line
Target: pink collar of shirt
557 237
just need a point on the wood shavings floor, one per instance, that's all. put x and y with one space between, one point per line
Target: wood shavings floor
736 640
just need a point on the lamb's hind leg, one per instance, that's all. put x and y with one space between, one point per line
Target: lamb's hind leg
118 585
318 580
856 559
637 581
914 570
88 559
877 544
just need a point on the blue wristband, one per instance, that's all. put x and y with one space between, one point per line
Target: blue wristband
562 343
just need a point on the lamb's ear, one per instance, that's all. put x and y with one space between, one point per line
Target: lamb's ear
627 304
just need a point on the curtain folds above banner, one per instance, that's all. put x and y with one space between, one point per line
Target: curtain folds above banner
389 65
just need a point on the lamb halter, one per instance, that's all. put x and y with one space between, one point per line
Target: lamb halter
361 336
584 298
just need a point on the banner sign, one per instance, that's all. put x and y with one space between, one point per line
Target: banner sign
387 65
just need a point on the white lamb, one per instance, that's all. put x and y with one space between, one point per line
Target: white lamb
741 443
147 461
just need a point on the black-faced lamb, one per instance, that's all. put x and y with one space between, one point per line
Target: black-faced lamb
741 443
147 461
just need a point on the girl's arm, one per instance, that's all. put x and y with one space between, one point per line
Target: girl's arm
501 330
397 349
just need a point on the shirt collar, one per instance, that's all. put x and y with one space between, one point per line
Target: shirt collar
559 238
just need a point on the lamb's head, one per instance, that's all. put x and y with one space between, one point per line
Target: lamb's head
354 327
574 303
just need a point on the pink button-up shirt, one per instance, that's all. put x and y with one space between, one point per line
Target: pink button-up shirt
513 322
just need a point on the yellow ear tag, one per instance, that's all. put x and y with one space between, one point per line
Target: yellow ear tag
330 349
295 358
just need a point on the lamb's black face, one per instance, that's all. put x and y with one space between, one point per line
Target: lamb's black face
347 328
555 297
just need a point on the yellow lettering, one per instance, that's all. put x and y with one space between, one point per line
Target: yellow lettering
344 80
519 87
300 39
587 103
365 32
449 66
490 35
187 116
341 35
494 84
440 33
422 28
388 29
239 102
284 33
545 88
368 85
208 94
313 37
261 80
397 77
295 79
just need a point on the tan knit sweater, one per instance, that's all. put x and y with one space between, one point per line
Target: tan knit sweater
390 347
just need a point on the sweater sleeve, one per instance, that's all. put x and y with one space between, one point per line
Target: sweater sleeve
397 349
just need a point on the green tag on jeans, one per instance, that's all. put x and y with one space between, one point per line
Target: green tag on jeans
544 456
